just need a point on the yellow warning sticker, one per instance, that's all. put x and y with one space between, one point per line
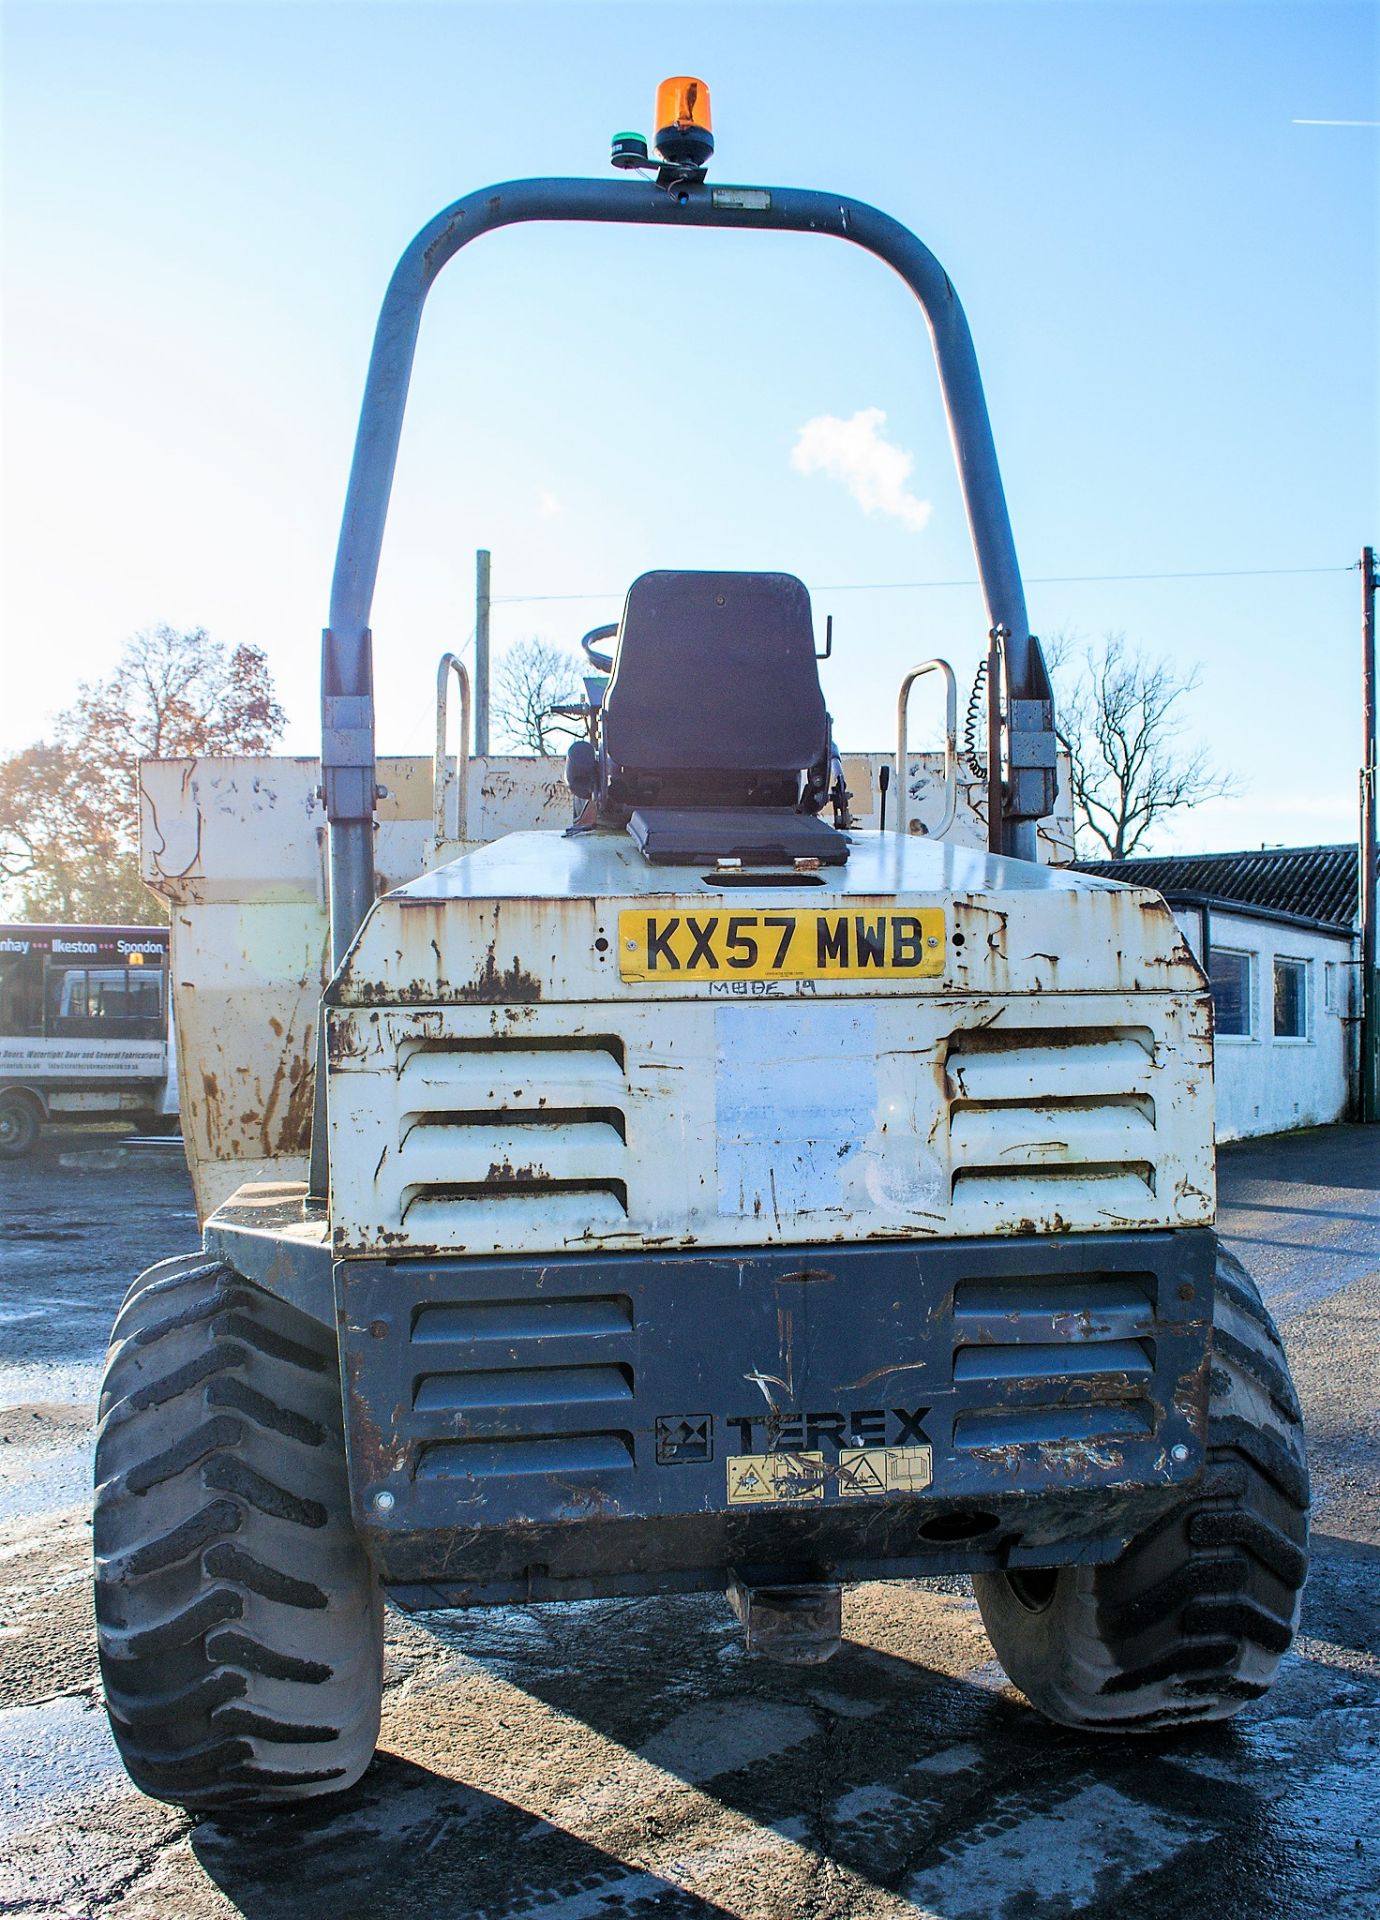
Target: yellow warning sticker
868 1471
754 1479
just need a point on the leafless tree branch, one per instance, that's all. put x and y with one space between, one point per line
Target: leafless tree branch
1118 719
530 679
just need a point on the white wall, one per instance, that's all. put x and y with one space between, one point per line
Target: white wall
1268 1084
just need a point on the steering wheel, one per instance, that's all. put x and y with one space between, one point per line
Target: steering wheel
603 661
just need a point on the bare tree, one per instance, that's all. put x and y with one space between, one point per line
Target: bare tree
1131 767
530 680
69 806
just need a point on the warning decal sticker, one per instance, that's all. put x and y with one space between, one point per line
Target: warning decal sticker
868 1471
756 1478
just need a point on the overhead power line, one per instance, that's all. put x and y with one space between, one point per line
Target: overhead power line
1033 580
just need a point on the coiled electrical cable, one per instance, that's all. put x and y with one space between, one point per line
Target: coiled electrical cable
975 724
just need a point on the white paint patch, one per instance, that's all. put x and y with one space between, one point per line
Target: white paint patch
795 1095
866 1803
54 1758
611 1897
844 1704
705 1741
991 1676
900 1174
34 1481
62 1383
1086 1852
949 1760
44 1529
503 1639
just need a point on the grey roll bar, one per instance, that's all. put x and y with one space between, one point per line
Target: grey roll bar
347 700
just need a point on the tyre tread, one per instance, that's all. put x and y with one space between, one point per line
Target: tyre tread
238 1620
1192 1621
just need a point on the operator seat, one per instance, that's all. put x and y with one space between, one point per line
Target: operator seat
714 724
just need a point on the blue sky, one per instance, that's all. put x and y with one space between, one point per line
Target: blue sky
1172 286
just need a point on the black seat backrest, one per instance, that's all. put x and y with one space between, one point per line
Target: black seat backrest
716 673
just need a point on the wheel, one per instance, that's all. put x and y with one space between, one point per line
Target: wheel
1193 1619
20 1120
239 1622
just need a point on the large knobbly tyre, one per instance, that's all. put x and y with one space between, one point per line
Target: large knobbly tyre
1193 1619
239 1622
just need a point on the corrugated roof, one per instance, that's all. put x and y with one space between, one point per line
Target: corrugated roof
1315 883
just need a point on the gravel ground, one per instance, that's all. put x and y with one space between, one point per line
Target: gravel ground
614 1759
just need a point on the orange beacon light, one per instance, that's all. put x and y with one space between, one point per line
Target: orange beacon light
683 127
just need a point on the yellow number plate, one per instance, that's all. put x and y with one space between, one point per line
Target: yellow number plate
860 943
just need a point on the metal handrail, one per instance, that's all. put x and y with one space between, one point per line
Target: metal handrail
441 776
950 745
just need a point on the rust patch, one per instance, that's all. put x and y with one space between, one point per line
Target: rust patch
1191 1395
588 1503
210 1115
343 1042
1077 1326
294 1131
294 1136
504 1173
1186 1193
377 1453
1073 1456
879 1373
492 987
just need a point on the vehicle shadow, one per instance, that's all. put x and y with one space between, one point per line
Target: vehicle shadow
578 1755
414 1840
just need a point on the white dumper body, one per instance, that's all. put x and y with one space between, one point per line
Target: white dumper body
237 848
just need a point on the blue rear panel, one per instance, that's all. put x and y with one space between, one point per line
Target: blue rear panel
619 1424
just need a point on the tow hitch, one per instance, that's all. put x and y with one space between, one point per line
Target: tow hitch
798 1624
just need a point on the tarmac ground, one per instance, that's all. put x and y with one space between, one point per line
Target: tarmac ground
605 1760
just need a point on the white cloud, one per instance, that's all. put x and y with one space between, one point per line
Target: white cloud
858 453
550 505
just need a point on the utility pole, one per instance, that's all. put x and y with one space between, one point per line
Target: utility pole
1370 983
481 651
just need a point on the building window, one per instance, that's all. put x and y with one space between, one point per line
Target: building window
1230 978
1291 999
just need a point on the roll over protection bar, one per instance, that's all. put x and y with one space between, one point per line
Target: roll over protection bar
347 703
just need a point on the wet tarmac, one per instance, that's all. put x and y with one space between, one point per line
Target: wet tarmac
618 1759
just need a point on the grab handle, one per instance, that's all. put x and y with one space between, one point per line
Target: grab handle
950 745
441 776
